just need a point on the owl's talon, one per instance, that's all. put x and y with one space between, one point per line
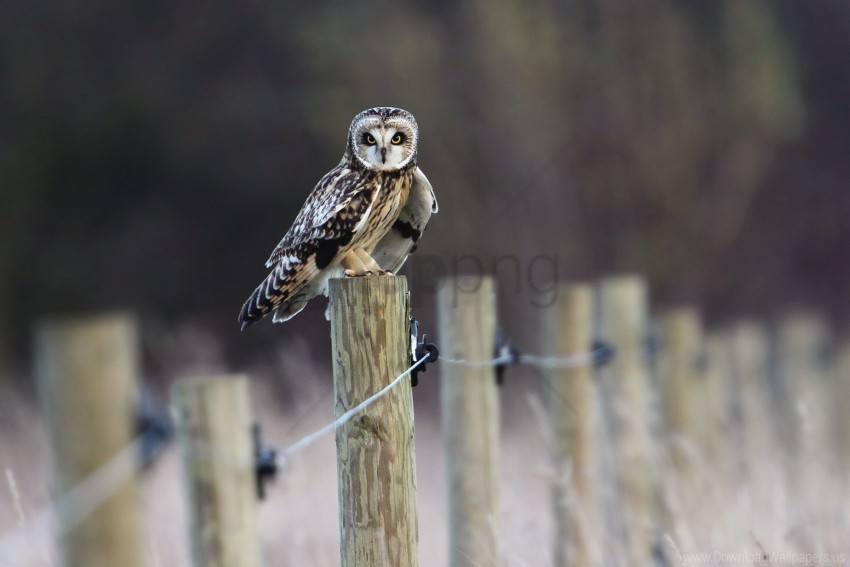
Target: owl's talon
352 274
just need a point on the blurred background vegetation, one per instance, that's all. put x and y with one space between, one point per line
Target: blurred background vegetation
154 153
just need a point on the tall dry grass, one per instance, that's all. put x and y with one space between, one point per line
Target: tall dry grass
733 505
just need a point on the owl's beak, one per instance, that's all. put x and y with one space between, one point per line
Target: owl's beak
383 155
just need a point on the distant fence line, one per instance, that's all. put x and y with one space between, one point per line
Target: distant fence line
623 438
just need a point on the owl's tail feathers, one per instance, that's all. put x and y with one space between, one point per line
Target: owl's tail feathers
283 291
265 298
254 309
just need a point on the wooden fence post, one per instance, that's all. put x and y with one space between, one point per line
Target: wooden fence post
370 331
719 413
214 430
748 354
87 373
841 378
682 388
801 341
470 419
574 417
623 316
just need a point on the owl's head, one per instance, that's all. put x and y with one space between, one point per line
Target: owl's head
383 138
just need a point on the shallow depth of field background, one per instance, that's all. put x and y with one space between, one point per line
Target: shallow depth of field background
152 155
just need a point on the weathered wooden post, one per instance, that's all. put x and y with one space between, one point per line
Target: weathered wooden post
214 429
841 378
802 339
748 354
682 387
574 418
719 409
87 374
623 317
370 332
470 410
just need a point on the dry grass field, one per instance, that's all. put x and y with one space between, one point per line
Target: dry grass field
735 508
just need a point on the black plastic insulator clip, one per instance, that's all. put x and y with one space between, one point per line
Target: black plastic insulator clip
504 350
653 346
603 353
265 462
153 424
419 350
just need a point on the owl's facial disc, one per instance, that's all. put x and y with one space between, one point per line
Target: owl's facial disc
385 146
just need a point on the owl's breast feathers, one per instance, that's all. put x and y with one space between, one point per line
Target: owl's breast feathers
401 241
349 208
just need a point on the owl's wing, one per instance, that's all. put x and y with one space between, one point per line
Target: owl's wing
394 248
334 212
331 195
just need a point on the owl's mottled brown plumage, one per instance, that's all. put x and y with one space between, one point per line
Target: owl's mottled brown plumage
363 216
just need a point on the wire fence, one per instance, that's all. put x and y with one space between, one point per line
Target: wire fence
74 506
551 362
285 454
77 504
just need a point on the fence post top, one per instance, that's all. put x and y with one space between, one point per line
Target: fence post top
335 285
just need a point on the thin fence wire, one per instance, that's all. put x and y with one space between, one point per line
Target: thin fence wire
550 362
539 361
308 440
498 361
557 362
75 506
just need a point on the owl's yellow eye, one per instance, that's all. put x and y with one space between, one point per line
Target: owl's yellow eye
370 139
397 139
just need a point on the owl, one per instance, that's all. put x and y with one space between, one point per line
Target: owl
364 217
